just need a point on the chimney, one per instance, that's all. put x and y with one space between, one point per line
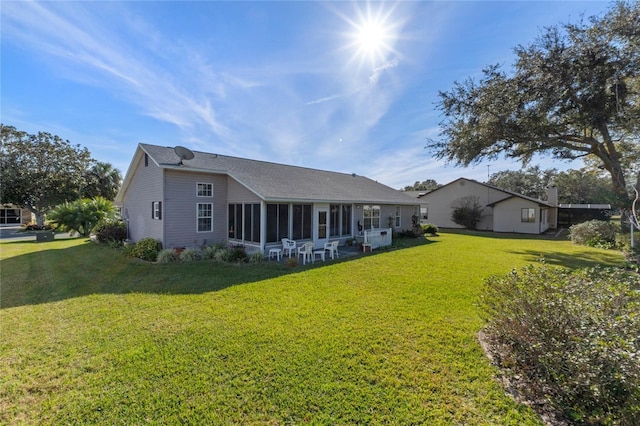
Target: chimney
552 195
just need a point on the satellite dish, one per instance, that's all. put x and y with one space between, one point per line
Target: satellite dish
183 153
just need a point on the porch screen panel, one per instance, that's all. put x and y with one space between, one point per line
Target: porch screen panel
302 221
334 220
277 222
346 219
255 224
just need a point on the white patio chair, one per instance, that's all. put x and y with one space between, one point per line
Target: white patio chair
306 251
288 246
332 247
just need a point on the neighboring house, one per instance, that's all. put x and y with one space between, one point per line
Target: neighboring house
504 211
11 215
214 198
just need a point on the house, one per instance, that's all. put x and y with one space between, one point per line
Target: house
189 199
503 211
12 215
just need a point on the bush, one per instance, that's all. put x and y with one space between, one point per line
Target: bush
32 226
256 257
573 336
145 249
237 254
81 216
467 212
168 256
291 262
107 231
191 255
594 233
222 255
429 228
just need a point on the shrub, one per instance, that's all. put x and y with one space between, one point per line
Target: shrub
145 249
291 262
32 226
237 254
191 255
256 257
168 256
594 233
222 255
429 228
110 230
467 212
82 215
573 336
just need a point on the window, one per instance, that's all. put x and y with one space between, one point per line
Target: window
205 217
156 210
204 190
340 220
424 212
277 222
146 160
371 216
302 221
345 226
244 222
398 215
528 215
10 216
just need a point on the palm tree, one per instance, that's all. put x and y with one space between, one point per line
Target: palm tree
103 180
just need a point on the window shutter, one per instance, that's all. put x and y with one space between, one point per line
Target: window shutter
160 210
153 205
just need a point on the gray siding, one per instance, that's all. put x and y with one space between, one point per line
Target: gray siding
146 186
180 209
239 193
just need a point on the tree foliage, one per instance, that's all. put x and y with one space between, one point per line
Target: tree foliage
532 182
426 185
574 92
40 171
103 180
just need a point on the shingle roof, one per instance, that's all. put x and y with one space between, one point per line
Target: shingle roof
273 181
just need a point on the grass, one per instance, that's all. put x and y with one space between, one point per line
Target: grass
91 337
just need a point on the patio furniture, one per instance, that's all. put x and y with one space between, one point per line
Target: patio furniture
332 247
319 253
306 251
288 245
277 252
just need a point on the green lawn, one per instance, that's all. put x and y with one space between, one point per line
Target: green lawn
88 336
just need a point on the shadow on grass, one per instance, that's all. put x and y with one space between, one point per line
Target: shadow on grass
54 273
506 235
575 260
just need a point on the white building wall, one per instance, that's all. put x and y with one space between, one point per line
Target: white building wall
441 202
508 216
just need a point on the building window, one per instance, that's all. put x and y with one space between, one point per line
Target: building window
528 215
205 217
424 212
8 216
345 225
156 210
398 216
302 221
244 222
371 216
277 222
146 160
204 190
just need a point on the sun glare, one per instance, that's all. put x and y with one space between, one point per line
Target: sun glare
372 33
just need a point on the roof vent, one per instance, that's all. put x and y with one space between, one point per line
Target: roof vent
353 174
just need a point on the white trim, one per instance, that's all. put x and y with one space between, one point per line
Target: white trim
198 189
198 217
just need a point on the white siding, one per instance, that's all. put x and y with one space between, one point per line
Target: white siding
508 216
441 200
146 186
180 209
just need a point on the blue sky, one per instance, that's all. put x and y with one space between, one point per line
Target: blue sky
342 86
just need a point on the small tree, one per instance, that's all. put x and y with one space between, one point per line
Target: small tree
467 212
82 215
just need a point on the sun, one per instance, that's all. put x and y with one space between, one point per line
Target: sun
373 33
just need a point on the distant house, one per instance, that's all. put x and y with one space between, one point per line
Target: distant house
503 211
11 215
204 198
